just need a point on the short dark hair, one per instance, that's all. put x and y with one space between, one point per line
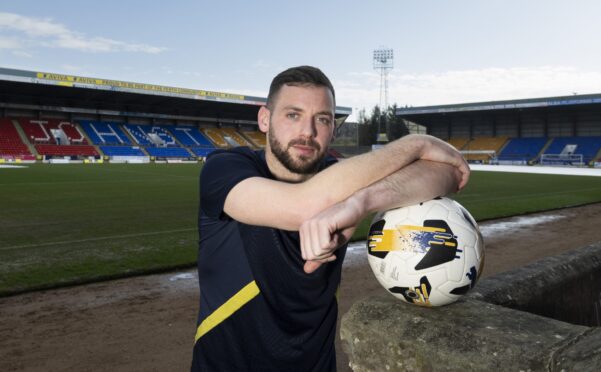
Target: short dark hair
298 76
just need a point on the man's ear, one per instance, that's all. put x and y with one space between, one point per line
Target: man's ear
263 118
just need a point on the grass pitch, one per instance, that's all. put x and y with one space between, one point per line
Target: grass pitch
69 224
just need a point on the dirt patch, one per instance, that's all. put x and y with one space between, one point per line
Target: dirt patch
148 323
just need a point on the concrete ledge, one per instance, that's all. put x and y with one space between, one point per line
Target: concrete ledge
479 332
563 287
580 355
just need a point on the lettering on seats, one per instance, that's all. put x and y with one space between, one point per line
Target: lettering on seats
163 134
40 124
111 133
187 132
63 125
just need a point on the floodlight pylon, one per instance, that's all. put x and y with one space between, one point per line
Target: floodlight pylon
383 60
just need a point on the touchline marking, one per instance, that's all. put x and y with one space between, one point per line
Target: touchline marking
95 239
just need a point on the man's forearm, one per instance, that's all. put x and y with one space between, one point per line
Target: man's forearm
352 175
420 181
264 202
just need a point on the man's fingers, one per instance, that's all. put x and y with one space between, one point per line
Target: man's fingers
316 248
465 174
303 241
312 265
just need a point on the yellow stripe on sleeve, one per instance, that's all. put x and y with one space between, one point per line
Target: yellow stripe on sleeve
250 291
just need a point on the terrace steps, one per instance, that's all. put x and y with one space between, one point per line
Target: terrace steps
24 138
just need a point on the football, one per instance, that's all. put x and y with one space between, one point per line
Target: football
428 254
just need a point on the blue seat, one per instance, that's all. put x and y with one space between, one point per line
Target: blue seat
189 136
587 146
122 151
104 133
523 149
168 152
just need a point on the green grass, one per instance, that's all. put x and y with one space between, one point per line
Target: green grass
76 223
66 224
495 194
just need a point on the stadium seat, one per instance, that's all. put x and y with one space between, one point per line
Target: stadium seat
65 150
201 151
522 149
233 137
189 136
36 131
11 144
216 136
70 134
257 138
121 151
150 135
458 143
491 144
588 147
104 133
168 152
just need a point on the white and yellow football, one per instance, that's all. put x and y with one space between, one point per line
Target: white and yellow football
429 254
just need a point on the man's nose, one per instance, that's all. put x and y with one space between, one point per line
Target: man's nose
308 127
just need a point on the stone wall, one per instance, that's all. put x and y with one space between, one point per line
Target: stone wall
491 329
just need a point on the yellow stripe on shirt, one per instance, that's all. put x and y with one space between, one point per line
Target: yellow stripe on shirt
250 291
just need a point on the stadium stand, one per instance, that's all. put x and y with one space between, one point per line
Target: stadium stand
121 151
104 133
257 138
216 136
36 131
522 150
11 144
588 147
458 143
202 151
64 132
168 152
66 150
150 135
137 134
481 149
230 134
189 136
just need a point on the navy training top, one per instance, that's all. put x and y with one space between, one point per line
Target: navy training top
259 310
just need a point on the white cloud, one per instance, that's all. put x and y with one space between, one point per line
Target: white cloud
46 32
22 53
489 84
9 43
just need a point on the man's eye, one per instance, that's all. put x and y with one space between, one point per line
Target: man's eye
292 115
325 120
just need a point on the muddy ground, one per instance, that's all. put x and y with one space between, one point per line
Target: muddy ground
148 323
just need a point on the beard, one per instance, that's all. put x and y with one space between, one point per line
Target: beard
302 165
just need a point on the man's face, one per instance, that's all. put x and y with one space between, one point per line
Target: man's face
301 126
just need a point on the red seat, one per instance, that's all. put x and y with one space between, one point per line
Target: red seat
10 141
36 131
60 150
73 133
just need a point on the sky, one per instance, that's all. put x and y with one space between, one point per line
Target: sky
445 52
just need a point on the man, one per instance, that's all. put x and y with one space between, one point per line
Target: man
274 224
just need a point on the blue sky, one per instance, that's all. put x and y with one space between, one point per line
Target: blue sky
445 51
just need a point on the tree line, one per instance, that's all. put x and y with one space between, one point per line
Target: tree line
371 124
